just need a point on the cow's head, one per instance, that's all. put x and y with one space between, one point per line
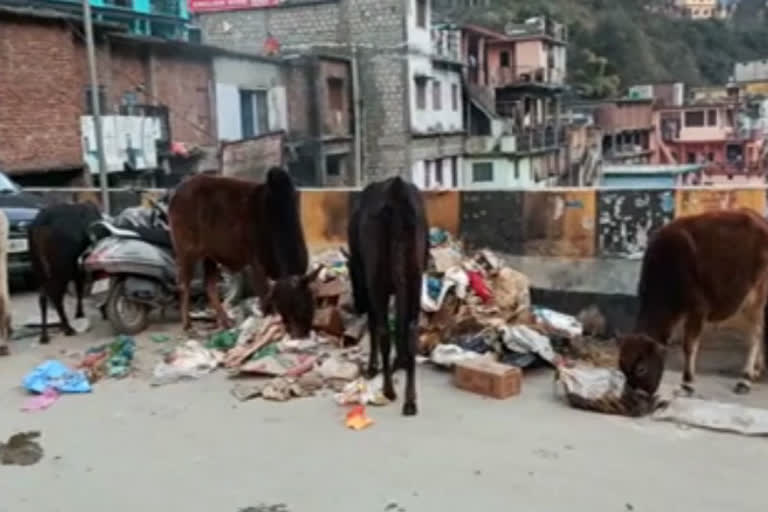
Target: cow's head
641 360
292 298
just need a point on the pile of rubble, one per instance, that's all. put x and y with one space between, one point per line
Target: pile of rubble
474 306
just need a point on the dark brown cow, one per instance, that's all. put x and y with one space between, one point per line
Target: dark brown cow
57 237
388 247
239 224
698 270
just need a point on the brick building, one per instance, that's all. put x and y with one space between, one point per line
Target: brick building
45 90
385 41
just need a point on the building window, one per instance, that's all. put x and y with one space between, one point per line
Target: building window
336 94
427 173
437 92
421 93
694 118
439 172
253 113
421 13
482 172
455 97
454 171
334 165
712 117
102 101
504 59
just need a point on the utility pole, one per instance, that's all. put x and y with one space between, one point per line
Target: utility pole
95 106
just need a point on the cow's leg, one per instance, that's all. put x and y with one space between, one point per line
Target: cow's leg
42 301
408 306
56 295
373 355
211 274
380 337
185 269
694 323
752 365
79 286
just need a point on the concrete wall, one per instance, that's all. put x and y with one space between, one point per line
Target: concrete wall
433 119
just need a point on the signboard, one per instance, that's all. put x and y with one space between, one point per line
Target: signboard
230 5
251 158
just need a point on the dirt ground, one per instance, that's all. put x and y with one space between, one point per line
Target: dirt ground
191 446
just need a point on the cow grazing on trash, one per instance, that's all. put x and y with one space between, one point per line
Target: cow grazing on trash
698 270
241 224
388 251
57 238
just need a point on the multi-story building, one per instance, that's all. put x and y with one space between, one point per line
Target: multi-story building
720 136
408 113
515 81
168 19
152 93
702 9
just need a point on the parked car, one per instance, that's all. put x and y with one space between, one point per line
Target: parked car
21 208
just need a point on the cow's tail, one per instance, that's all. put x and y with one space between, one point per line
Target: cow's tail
283 210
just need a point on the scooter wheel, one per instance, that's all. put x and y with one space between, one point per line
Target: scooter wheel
125 315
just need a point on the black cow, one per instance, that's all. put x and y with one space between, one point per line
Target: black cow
57 238
388 248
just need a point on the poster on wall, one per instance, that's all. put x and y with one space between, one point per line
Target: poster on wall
230 5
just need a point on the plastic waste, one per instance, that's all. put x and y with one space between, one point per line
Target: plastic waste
447 355
523 340
559 321
56 375
188 361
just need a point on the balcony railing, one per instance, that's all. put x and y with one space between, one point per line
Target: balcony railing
446 44
540 137
518 75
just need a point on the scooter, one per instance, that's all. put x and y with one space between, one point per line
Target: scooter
133 271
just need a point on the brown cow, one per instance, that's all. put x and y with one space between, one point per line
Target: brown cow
239 224
698 270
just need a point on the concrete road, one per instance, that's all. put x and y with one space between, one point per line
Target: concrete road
191 447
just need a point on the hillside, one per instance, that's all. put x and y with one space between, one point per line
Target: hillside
615 43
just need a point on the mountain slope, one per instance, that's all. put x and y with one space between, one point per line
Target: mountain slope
640 46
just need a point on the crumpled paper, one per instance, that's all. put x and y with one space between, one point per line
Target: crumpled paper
522 339
188 361
447 355
601 390
362 392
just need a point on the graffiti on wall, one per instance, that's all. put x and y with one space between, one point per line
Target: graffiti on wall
627 218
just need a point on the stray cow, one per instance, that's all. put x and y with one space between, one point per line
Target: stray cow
57 237
238 223
388 247
5 300
698 270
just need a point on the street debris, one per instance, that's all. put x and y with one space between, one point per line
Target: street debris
362 392
21 449
188 361
357 418
41 402
56 375
487 377
601 390
712 415
112 360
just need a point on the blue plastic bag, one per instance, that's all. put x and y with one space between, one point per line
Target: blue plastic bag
54 374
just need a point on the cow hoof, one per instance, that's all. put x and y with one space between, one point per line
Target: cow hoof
685 390
371 372
742 388
4 350
69 331
390 394
44 340
409 409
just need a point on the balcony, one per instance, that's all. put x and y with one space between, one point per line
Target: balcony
446 44
540 138
521 75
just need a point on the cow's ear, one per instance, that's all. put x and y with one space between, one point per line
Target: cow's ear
312 275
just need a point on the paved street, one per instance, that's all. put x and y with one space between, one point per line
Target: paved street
192 447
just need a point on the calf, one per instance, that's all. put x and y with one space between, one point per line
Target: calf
5 301
57 237
698 270
388 250
238 223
